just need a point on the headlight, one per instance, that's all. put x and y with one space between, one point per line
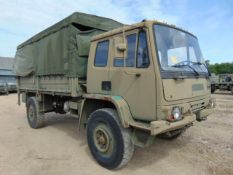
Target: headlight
176 113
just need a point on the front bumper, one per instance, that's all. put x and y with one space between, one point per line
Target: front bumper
162 126
158 127
202 115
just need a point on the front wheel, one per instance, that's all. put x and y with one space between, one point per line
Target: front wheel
109 143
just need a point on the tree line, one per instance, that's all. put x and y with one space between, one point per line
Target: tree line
222 68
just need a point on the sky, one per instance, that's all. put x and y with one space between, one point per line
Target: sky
210 20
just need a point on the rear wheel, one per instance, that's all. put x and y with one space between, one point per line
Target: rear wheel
231 89
34 117
109 143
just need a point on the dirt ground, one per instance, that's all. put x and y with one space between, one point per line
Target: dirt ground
58 148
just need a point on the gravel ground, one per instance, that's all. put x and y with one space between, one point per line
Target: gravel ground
59 148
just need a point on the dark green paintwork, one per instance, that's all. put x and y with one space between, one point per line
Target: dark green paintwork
63 48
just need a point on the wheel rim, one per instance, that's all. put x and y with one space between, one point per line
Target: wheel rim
103 139
31 113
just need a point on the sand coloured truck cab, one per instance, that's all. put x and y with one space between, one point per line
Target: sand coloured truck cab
157 69
143 80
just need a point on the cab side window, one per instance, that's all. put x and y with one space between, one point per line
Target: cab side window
131 47
143 60
137 52
101 55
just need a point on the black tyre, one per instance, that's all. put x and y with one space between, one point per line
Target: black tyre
213 88
109 143
34 117
171 134
232 90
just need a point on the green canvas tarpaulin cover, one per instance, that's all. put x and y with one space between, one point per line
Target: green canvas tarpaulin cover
63 48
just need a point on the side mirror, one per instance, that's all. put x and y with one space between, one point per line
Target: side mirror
121 47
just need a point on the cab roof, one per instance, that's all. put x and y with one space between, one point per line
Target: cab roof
145 23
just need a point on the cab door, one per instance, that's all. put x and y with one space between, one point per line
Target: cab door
98 68
133 77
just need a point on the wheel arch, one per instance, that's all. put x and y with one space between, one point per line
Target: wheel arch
93 102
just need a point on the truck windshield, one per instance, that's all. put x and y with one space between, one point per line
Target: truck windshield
178 51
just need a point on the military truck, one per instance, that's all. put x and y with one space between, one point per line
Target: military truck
125 83
7 77
226 82
214 82
223 82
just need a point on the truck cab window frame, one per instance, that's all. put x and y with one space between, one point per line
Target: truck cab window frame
131 50
170 42
101 54
137 54
142 59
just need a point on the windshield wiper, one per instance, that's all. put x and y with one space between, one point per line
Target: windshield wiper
201 63
183 65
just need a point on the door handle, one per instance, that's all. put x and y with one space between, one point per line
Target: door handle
136 74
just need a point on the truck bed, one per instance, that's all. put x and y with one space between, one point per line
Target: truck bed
52 84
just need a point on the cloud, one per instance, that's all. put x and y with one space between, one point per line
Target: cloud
211 21
19 20
35 15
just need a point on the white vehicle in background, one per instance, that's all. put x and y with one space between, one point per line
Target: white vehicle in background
3 87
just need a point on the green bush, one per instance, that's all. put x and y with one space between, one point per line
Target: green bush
222 68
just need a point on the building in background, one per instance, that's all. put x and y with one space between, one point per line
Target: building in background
7 77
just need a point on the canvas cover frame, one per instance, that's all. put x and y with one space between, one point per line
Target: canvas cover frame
63 48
